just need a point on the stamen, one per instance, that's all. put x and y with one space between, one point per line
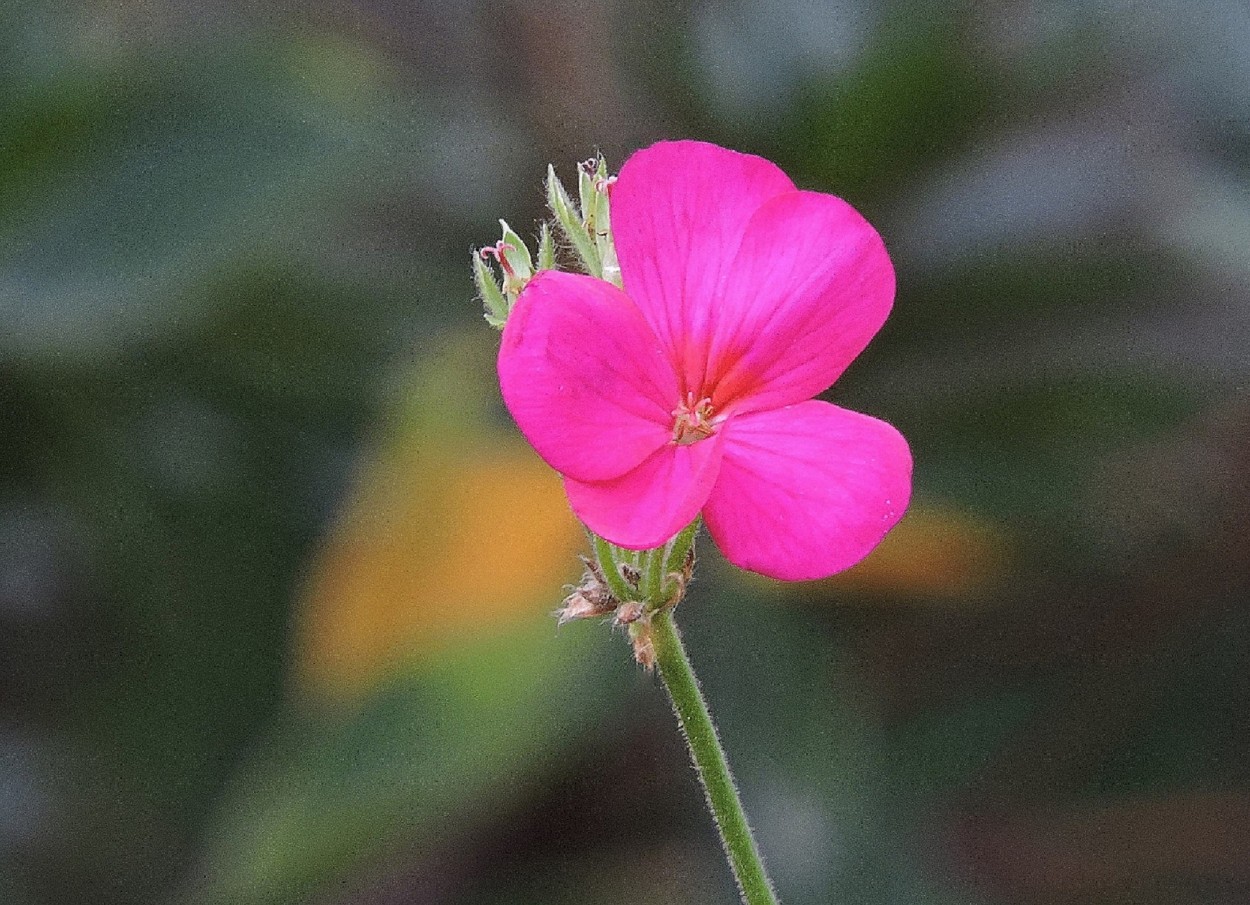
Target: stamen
498 252
693 421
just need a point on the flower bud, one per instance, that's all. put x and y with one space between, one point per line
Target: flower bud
594 187
489 291
572 224
517 267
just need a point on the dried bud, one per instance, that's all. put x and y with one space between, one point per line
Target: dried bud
590 599
644 644
676 582
628 613
579 605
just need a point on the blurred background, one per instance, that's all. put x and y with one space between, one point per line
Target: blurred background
276 571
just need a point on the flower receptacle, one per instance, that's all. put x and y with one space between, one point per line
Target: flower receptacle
632 586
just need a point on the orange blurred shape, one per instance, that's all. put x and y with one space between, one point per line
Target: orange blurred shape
429 551
934 551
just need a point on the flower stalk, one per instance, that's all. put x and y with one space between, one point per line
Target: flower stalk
710 762
642 588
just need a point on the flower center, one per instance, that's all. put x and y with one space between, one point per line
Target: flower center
692 421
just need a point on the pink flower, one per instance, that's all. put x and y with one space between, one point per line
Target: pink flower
691 390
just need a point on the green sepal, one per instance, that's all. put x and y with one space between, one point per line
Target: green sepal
659 575
571 224
610 559
609 266
489 292
546 248
590 196
519 256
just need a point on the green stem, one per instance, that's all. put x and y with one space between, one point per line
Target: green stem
710 763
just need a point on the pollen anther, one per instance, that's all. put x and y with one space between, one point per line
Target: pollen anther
692 421
499 251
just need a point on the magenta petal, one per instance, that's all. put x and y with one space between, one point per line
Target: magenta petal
811 285
650 504
807 491
585 378
679 211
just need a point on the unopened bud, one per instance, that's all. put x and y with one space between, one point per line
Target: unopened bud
522 266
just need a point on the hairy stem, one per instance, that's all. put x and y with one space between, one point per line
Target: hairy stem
710 763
